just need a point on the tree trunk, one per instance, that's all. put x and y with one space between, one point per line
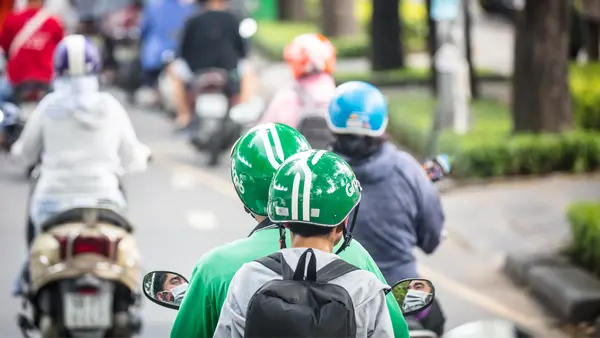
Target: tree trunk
431 48
337 18
590 11
473 79
541 97
292 10
388 52
593 39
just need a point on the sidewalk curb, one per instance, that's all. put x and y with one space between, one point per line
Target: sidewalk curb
450 184
567 291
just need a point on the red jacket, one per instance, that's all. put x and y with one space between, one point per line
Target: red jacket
33 62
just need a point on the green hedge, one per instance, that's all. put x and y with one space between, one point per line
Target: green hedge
585 90
406 76
272 37
489 149
585 229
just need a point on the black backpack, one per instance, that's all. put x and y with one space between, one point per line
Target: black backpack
313 126
300 306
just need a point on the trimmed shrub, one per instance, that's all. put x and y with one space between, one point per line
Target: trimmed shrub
585 228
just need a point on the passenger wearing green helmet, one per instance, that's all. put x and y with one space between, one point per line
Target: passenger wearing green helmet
312 194
254 159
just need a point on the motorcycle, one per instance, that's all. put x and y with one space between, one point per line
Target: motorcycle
84 271
219 120
26 96
10 125
170 296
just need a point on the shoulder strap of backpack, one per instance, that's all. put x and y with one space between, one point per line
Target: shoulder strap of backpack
335 269
276 263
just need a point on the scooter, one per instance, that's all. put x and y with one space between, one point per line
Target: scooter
170 296
220 120
84 271
26 96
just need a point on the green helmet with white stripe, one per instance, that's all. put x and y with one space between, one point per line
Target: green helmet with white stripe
256 156
315 187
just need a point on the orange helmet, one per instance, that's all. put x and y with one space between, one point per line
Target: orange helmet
310 54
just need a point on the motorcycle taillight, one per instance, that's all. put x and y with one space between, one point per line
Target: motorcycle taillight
85 245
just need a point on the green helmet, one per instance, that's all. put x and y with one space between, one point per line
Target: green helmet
315 187
256 156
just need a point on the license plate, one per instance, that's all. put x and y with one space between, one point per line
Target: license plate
88 311
212 105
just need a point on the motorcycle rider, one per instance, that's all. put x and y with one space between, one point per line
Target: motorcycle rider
29 38
83 135
312 59
254 159
210 39
317 219
402 207
160 33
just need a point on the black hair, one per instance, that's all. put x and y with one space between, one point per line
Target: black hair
159 281
309 230
357 147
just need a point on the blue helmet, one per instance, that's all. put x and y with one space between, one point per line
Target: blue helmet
76 55
358 108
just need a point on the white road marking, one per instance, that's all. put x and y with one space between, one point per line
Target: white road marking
453 286
202 220
183 180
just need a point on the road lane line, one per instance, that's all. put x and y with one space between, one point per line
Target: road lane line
202 220
183 181
457 288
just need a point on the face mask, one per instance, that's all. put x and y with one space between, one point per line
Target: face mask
414 299
179 290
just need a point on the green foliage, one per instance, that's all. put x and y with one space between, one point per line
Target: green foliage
272 37
585 90
489 149
585 229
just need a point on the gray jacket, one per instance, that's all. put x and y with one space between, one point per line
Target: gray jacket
366 291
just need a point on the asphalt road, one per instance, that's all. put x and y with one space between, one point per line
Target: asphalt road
182 210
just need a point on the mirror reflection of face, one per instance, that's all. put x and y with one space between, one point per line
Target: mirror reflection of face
172 281
419 285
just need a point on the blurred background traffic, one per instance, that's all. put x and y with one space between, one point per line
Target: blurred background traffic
510 89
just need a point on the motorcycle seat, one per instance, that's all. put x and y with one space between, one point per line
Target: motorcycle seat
77 214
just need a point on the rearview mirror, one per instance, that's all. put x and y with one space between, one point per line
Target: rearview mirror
165 288
413 295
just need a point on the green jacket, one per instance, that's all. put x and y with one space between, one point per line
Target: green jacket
201 307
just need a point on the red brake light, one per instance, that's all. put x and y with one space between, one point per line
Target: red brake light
87 291
100 245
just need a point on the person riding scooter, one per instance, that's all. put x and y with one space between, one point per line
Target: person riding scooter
160 33
83 135
254 160
210 39
400 207
312 60
29 38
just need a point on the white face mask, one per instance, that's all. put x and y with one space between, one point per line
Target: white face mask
179 290
414 299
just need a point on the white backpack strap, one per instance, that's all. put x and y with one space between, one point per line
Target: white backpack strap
27 31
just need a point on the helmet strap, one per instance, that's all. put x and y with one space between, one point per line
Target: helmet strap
348 232
282 244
